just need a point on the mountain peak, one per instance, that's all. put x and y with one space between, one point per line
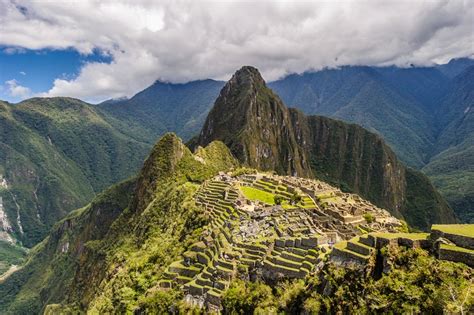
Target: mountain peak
160 165
248 74
255 124
246 78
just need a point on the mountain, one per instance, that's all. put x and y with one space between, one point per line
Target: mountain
163 107
262 133
365 96
56 154
452 164
159 243
142 225
455 66
243 116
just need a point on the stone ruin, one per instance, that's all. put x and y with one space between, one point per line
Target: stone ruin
252 240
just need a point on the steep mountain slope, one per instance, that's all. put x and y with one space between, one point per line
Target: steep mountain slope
243 116
425 86
452 166
346 155
162 107
108 256
114 255
365 96
56 153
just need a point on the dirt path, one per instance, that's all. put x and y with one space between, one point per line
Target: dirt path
9 272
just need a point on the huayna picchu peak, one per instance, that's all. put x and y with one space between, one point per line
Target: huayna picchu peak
254 123
263 133
266 211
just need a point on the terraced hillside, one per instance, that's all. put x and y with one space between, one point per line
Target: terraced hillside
263 133
452 242
186 234
265 227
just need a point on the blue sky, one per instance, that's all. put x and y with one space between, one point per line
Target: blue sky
179 41
37 69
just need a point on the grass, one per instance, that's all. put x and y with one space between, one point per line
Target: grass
457 229
457 248
411 236
257 194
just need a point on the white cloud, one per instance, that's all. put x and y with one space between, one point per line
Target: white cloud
17 90
22 72
180 41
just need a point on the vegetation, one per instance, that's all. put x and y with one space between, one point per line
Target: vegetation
164 107
111 255
295 199
416 283
122 242
457 248
10 255
55 154
278 199
369 218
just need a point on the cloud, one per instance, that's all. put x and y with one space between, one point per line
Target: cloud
22 72
17 90
179 41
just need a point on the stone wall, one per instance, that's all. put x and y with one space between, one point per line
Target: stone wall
459 240
456 256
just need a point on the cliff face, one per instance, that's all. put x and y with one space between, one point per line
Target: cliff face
256 126
352 158
262 133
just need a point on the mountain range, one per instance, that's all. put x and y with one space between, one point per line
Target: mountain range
109 255
63 147
416 110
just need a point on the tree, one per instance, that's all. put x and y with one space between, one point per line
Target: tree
369 218
295 199
278 199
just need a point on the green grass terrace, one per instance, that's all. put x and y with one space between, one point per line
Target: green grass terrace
456 229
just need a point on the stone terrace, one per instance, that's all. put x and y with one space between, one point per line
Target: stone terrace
254 239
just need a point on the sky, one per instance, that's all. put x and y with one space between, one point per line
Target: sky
96 50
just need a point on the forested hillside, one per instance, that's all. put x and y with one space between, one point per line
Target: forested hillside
56 154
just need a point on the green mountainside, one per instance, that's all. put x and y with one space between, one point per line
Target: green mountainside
56 154
163 107
262 133
108 255
452 166
367 96
113 255
425 105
